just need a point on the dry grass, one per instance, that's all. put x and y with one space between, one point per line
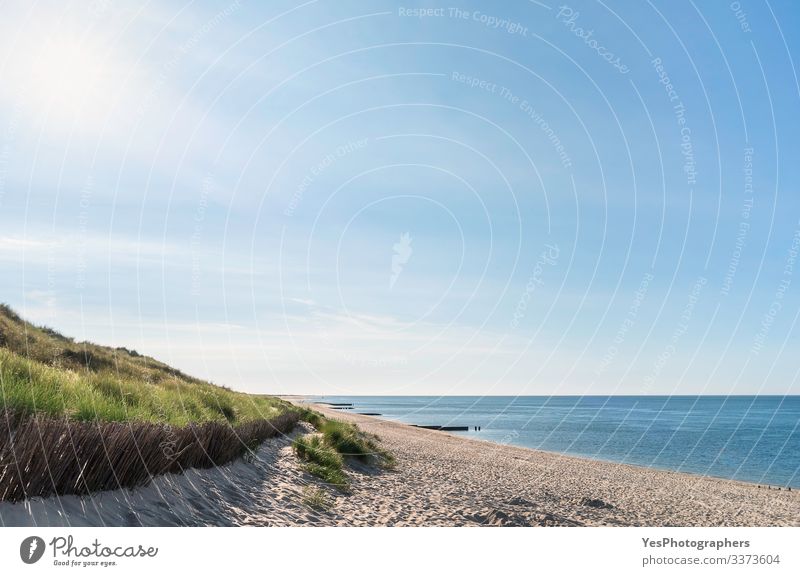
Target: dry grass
42 456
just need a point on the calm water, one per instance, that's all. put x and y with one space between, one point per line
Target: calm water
752 438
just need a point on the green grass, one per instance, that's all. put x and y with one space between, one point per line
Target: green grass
316 499
326 453
314 418
321 460
43 372
349 441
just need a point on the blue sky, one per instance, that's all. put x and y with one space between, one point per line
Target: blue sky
411 198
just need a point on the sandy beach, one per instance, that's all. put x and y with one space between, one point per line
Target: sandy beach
440 480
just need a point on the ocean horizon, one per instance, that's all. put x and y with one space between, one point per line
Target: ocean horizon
739 437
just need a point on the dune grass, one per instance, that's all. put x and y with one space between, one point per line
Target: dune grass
326 452
321 460
43 372
349 441
311 416
316 499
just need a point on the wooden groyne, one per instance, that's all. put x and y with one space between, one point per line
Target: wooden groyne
444 428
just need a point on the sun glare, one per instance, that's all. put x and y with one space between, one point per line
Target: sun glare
62 78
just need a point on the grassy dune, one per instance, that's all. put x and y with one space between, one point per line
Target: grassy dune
43 372
77 418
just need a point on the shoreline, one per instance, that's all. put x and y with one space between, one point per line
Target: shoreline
321 406
615 493
582 457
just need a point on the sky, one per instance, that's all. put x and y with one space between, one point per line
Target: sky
344 197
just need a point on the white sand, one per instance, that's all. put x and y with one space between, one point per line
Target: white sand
441 479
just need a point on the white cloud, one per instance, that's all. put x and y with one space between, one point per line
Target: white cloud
50 247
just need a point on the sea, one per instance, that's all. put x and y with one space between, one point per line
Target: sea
749 438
